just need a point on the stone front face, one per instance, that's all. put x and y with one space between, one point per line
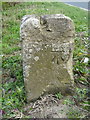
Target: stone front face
47 54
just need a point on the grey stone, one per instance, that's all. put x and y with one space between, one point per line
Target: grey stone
47 54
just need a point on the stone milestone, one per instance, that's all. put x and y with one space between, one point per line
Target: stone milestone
47 54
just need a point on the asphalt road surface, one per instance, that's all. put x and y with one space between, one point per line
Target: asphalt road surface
84 5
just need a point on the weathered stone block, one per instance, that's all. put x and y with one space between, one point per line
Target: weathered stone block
47 54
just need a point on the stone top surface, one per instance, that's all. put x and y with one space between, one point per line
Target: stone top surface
55 16
50 27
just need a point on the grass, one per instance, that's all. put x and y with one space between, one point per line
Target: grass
74 114
13 84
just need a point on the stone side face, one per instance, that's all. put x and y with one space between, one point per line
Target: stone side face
47 54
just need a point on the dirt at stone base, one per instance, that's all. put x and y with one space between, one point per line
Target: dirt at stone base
51 107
